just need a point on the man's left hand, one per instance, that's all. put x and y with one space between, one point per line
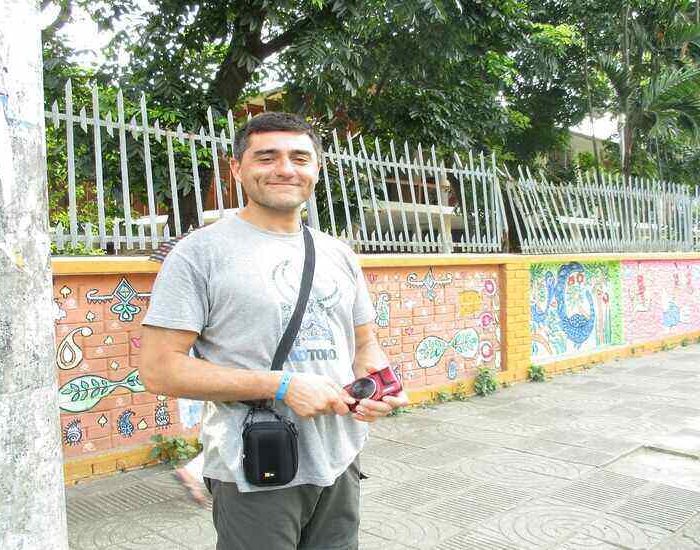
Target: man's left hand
368 410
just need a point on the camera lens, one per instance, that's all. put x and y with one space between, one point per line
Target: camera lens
363 388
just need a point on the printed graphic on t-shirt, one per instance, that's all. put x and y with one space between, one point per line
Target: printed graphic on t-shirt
315 340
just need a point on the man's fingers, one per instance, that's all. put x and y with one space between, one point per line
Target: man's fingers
374 407
400 400
363 418
346 397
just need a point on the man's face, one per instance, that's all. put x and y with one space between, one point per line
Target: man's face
278 170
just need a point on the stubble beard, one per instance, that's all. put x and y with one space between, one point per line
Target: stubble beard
276 203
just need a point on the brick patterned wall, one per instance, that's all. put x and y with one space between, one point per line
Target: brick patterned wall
103 405
437 325
516 321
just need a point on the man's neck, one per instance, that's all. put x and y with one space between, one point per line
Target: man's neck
277 221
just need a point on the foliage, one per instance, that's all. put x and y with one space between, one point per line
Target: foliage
442 396
398 411
174 449
57 72
536 373
485 382
78 250
461 392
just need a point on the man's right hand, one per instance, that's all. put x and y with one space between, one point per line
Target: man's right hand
310 395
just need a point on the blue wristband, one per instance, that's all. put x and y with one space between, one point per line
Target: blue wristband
284 385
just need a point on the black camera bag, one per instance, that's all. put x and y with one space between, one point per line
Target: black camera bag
270 447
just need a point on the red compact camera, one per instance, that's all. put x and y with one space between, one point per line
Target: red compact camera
374 386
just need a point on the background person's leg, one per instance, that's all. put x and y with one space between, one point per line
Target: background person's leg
336 518
261 519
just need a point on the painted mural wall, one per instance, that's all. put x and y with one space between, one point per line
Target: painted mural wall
574 308
438 325
660 298
104 405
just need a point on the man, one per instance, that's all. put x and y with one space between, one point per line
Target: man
228 291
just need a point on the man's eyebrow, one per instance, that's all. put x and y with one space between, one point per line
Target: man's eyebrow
264 152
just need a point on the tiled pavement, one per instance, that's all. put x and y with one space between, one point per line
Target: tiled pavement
601 460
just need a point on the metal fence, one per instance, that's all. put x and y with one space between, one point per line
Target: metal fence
606 215
123 179
400 198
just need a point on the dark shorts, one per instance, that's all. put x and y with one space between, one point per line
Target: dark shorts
304 517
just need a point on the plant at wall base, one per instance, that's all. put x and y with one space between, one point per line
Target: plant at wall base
536 373
174 449
685 343
485 383
442 396
460 393
398 411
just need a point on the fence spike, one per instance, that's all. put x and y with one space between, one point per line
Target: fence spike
89 238
133 128
83 119
224 144
54 114
202 136
158 133
180 134
60 237
109 124
142 237
115 234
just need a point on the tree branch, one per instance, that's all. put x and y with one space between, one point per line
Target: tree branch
62 18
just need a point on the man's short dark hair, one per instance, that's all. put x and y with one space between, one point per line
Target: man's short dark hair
274 122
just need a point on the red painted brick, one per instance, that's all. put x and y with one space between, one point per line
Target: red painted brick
87 447
113 324
99 352
63 329
113 401
138 437
93 428
143 398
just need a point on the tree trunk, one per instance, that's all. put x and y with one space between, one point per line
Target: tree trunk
33 513
596 154
628 144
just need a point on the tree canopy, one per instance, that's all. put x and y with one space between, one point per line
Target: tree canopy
504 76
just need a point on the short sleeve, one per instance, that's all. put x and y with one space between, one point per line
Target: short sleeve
363 309
179 297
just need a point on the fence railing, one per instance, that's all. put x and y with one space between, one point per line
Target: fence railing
606 215
130 184
402 198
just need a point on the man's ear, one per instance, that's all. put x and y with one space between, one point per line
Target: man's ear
236 170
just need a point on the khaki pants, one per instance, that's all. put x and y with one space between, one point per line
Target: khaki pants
302 517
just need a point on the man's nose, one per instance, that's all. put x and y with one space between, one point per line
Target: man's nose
284 166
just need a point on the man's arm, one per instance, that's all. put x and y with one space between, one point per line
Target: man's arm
167 368
369 357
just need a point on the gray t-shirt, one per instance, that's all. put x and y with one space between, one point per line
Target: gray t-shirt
236 286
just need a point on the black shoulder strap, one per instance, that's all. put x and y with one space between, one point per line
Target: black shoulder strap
295 322
292 329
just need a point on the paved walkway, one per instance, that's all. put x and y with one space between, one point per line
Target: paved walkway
605 459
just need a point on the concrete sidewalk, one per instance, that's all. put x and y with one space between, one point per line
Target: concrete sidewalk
605 459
